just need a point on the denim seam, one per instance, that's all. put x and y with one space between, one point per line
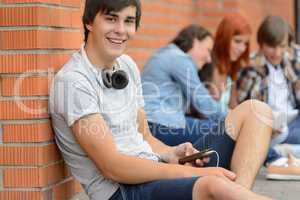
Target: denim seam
123 192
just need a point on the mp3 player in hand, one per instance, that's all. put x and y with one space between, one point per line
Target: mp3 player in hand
199 155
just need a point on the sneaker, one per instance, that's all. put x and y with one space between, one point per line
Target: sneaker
284 169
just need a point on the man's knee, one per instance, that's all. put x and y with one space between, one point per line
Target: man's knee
256 106
248 110
258 110
213 186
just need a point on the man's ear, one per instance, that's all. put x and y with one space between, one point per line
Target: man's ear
89 27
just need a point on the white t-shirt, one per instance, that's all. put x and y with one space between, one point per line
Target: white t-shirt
77 91
278 90
279 97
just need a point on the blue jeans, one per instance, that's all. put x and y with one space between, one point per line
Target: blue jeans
293 137
181 189
203 134
294 132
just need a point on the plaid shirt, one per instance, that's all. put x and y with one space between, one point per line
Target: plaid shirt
252 82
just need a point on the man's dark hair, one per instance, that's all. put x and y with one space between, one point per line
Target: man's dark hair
92 7
273 30
291 36
184 40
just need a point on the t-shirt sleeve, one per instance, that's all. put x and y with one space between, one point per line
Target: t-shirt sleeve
75 99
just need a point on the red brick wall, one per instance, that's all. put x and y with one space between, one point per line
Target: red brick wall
161 20
36 38
210 12
256 10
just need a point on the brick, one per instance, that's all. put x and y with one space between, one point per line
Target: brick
26 177
149 43
48 154
209 5
29 155
38 132
21 63
140 55
155 7
25 86
23 109
33 177
181 2
76 19
156 20
24 195
66 190
63 191
1 133
216 14
157 31
67 170
40 39
73 3
78 186
230 4
1 180
38 16
210 23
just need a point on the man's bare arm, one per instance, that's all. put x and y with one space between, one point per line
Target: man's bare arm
95 138
157 146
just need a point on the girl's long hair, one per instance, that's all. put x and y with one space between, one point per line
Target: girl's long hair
231 25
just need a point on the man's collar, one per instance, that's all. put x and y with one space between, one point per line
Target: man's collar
276 67
86 59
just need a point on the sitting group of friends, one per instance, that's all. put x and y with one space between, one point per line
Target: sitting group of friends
122 132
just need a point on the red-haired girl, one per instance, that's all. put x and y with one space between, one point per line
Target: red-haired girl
230 53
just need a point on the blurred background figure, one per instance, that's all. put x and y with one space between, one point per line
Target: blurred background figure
274 78
230 53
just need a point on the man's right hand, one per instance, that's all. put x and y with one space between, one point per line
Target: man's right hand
212 171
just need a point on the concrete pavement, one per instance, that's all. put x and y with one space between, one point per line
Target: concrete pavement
279 190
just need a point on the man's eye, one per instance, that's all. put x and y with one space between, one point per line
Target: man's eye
130 21
111 19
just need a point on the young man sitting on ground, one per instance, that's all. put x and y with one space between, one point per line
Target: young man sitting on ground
101 129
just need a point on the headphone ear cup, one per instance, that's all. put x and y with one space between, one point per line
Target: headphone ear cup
106 78
119 79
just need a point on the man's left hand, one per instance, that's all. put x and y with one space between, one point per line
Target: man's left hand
182 150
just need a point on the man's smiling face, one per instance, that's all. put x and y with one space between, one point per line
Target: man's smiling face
111 31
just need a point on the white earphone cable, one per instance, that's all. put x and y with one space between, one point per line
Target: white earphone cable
218 158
